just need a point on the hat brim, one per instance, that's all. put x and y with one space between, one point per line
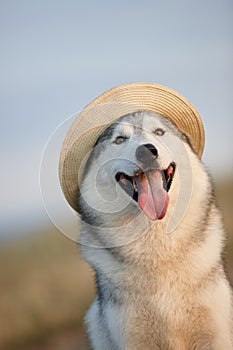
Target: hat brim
111 106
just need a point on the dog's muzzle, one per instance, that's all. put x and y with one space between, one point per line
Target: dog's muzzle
149 185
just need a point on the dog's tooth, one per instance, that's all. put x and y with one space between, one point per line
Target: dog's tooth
135 186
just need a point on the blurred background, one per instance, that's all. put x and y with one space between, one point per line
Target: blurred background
56 57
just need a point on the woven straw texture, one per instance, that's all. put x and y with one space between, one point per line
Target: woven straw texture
108 108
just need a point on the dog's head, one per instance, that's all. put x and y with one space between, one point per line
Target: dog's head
134 167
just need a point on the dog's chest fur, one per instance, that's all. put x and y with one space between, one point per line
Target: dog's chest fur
162 292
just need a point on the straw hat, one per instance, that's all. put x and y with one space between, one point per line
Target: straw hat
109 107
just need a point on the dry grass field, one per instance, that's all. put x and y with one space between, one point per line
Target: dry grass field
45 290
45 287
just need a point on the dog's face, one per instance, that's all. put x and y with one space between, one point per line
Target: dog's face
134 166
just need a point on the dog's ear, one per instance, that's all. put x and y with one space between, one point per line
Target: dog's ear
186 139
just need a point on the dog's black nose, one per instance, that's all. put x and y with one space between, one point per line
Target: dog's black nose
146 153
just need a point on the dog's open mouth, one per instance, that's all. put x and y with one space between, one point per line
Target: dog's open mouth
149 189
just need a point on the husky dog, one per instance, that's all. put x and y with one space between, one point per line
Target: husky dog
159 274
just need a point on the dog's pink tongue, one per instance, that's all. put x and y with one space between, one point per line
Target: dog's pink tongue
152 197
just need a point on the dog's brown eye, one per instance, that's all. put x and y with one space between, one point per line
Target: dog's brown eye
120 139
159 132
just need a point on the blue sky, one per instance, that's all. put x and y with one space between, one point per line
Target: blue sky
56 56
